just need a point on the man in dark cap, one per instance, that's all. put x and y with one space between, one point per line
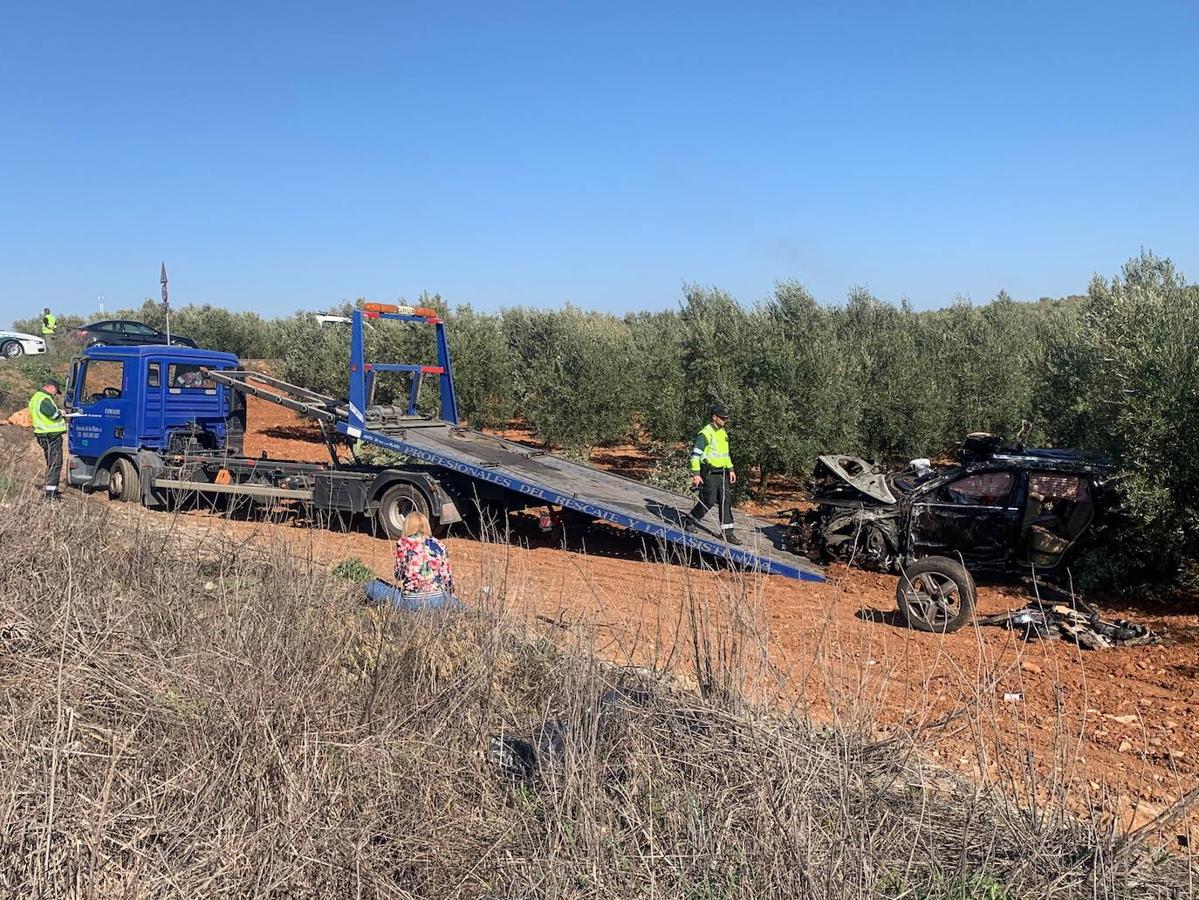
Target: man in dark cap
49 425
712 472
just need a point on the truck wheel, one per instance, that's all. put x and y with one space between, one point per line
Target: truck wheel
124 482
12 349
936 594
394 506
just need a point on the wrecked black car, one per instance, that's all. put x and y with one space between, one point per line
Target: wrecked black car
1001 509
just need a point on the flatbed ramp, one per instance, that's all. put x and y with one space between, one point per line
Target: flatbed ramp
592 492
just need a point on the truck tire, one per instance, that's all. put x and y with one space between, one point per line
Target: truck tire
124 481
394 506
936 594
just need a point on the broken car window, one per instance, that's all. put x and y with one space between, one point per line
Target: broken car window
1057 487
980 489
1058 504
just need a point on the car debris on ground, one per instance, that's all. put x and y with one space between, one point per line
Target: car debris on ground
1056 621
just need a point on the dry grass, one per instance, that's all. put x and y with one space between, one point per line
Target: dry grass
188 716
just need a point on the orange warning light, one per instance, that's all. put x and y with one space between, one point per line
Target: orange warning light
380 307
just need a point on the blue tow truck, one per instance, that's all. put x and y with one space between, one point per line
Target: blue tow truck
159 425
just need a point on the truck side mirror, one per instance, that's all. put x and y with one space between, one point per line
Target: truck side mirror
68 394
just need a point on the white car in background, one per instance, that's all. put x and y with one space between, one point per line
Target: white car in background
16 343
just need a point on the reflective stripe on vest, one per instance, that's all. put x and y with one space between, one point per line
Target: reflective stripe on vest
43 424
49 324
711 447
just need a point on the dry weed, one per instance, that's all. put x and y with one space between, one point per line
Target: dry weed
186 715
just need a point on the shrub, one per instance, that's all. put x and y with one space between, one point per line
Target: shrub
576 376
353 570
483 369
1112 370
1123 380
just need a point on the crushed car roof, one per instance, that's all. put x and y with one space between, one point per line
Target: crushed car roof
980 448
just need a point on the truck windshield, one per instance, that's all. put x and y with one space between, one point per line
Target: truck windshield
102 379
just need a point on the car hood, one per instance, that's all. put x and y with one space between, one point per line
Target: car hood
20 335
859 474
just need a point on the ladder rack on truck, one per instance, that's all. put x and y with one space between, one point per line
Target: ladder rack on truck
450 467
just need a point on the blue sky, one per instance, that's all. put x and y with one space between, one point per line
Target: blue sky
289 155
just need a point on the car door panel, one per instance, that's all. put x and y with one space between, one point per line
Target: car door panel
976 516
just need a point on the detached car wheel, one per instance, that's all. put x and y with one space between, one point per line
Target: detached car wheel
936 594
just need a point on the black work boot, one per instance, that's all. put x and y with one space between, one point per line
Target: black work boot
690 525
730 537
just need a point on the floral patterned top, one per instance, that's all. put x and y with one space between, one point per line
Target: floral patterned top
423 567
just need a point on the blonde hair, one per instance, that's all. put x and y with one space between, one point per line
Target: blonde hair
416 524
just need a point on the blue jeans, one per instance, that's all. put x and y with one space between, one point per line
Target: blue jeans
381 591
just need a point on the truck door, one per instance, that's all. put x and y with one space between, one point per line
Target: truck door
974 515
154 405
100 396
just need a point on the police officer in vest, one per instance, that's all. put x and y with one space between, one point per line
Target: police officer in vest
712 472
49 327
49 425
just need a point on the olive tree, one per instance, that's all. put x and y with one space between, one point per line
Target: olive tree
576 376
1123 379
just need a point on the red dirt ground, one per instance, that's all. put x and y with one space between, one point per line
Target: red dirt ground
1121 726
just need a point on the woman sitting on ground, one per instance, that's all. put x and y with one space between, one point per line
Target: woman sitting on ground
422 568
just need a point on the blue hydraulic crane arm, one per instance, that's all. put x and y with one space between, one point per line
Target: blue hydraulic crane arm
362 372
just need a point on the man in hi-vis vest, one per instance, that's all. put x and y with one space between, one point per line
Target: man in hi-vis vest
49 425
49 328
712 472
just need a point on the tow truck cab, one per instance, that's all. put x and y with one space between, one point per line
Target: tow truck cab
127 400
149 424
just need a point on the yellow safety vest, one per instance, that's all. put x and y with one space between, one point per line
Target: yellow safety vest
711 447
49 323
43 424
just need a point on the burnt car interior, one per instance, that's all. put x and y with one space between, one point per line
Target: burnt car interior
1058 511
